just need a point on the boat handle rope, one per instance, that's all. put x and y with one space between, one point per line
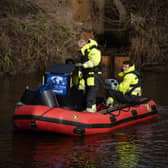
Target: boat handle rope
121 110
45 112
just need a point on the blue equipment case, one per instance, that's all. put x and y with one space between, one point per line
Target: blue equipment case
57 78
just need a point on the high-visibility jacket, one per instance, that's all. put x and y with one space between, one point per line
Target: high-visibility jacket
131 83
91 60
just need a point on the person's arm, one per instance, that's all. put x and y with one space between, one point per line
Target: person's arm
94 59
125 84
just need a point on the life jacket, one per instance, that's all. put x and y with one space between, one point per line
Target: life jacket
91 60
134 86
92 45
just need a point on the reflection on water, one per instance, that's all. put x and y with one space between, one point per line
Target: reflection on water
132 147
139 146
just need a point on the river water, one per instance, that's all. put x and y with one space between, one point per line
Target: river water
143 145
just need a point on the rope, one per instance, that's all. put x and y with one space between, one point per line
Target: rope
45 112
120 110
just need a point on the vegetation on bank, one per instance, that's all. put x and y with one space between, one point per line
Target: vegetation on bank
145 23
33 44
31 38
148 31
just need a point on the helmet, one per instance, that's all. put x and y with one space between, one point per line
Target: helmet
111 84
92 42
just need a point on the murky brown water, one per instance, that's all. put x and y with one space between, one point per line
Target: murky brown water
140 146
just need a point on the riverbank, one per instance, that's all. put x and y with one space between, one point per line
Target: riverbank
34 34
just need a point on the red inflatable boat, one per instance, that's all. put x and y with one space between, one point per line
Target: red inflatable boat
65 121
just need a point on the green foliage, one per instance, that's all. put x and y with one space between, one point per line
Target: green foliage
79 1
66 2
37 37
37 17
7 58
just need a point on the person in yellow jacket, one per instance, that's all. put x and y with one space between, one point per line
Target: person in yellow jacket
129 90
90 65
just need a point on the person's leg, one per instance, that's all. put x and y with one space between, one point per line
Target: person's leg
132 99
117 95
121 98
91 96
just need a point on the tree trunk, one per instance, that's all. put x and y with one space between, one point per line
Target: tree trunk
121 9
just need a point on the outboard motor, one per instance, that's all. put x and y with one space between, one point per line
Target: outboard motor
57 85
27 97
38 97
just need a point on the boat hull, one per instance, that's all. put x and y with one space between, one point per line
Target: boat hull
70 122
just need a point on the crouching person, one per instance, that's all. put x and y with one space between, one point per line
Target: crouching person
129 89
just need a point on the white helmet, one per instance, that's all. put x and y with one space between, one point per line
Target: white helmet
111 84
